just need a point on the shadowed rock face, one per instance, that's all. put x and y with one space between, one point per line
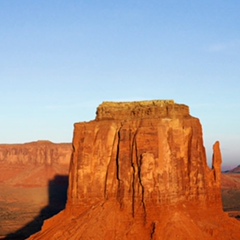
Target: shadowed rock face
139 172
33 185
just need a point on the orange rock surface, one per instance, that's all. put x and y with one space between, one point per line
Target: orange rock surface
33 185
33 164
139 171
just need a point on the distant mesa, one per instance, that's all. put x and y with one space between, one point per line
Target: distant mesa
41 160
42 152
235 170
33 184
231 191
139 171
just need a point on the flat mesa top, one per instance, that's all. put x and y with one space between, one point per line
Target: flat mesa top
141 109
138 103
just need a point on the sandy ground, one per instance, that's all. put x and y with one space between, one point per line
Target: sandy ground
231 194
19 206
23 209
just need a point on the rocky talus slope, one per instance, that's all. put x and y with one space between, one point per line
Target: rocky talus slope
139 171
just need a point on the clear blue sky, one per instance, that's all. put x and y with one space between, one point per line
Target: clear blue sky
60 59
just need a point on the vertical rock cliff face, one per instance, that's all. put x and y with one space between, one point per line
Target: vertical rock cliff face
139 172
33 185
151 153
33 163
35 153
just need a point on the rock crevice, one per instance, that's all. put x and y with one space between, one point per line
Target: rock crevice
137 165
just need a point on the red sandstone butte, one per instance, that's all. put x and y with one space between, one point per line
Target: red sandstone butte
139 171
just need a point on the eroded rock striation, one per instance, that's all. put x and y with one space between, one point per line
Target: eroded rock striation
33 185
139 171
41 161
35 153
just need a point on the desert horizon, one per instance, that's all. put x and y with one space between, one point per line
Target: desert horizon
36 185
119 120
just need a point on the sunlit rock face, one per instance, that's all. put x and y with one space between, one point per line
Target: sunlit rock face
35 153
149 152
34 163
139 172
33 185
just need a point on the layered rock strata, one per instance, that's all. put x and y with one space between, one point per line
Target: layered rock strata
139 171
35 153
33 185
38 161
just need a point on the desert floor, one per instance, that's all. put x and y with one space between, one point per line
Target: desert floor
23 209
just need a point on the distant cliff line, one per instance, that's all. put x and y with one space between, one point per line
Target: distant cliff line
39 152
